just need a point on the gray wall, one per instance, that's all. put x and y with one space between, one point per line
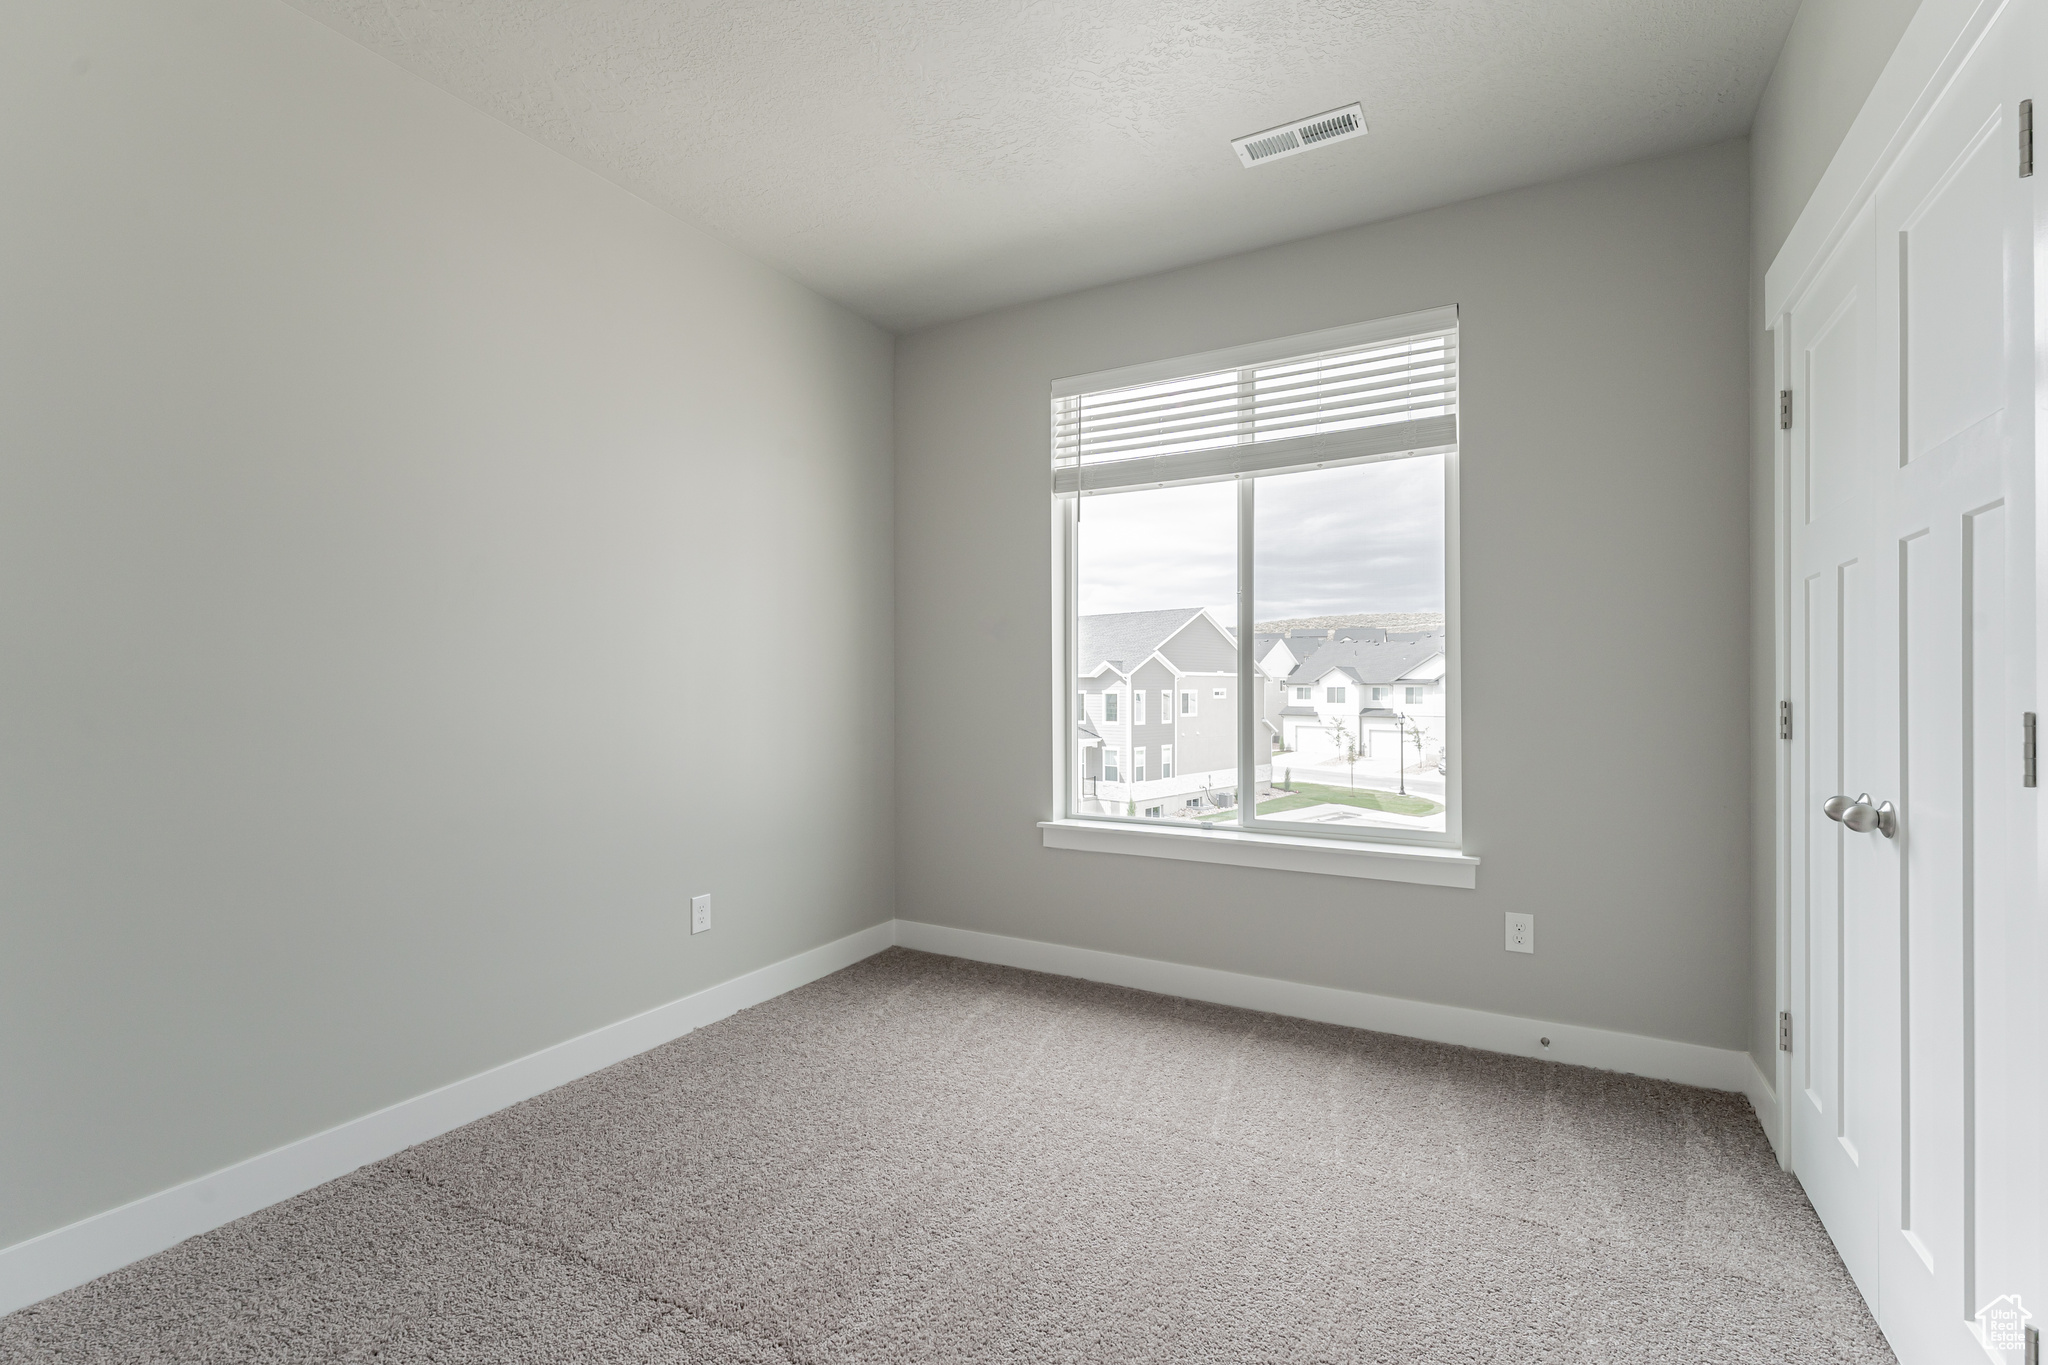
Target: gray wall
1605 531
389 509
1831 59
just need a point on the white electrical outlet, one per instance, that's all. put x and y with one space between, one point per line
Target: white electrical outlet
700 914
1521 933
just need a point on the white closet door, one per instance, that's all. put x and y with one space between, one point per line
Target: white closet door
1841 881
1957 504
1917 963
1838 878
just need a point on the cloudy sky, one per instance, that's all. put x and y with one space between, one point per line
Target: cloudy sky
1330 541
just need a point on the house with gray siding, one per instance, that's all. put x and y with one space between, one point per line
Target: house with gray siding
1155 721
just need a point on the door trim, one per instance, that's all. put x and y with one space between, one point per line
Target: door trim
1779 1128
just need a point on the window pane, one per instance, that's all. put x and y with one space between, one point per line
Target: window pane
1157 580
1348 593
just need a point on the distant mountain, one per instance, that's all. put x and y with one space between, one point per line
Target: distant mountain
1403 621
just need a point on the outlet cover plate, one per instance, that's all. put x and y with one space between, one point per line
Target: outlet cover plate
1521 933
700 914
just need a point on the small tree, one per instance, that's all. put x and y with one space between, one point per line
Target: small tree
1349 749
1288 784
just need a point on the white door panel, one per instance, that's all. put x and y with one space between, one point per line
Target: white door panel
1952 267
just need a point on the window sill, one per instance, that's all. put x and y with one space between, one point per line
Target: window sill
1241 848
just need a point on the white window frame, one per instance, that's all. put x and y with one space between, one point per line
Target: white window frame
1165 762
1307 694
1112 769
1335 696
1137 763
1137 706
1425 857
1109 707
1191 701
1414 695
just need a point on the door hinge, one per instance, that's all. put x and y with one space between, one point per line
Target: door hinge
1784 1030
1784 720
2026 138
1784 409
2029 751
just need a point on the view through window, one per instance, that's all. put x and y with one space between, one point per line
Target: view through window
1333 471
1348 592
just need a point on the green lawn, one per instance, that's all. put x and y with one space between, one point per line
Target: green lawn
1365 798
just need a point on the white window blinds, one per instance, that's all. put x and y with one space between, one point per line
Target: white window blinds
1376 391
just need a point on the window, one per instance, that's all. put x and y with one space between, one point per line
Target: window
1248 492
1109 707
1414 695
1138 712
1154 812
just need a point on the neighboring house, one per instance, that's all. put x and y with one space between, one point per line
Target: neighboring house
1156 719
1156 713
1369 683
1280 655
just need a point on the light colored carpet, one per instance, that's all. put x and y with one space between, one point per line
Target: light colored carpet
924 1159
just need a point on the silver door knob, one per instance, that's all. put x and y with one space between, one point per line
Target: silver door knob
1861 816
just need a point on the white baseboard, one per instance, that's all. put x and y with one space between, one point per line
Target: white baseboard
1661 1058
81 1251
1763 1098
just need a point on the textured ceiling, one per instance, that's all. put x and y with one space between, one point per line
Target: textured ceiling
922 160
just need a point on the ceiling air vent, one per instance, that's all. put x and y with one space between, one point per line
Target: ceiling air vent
1300 135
